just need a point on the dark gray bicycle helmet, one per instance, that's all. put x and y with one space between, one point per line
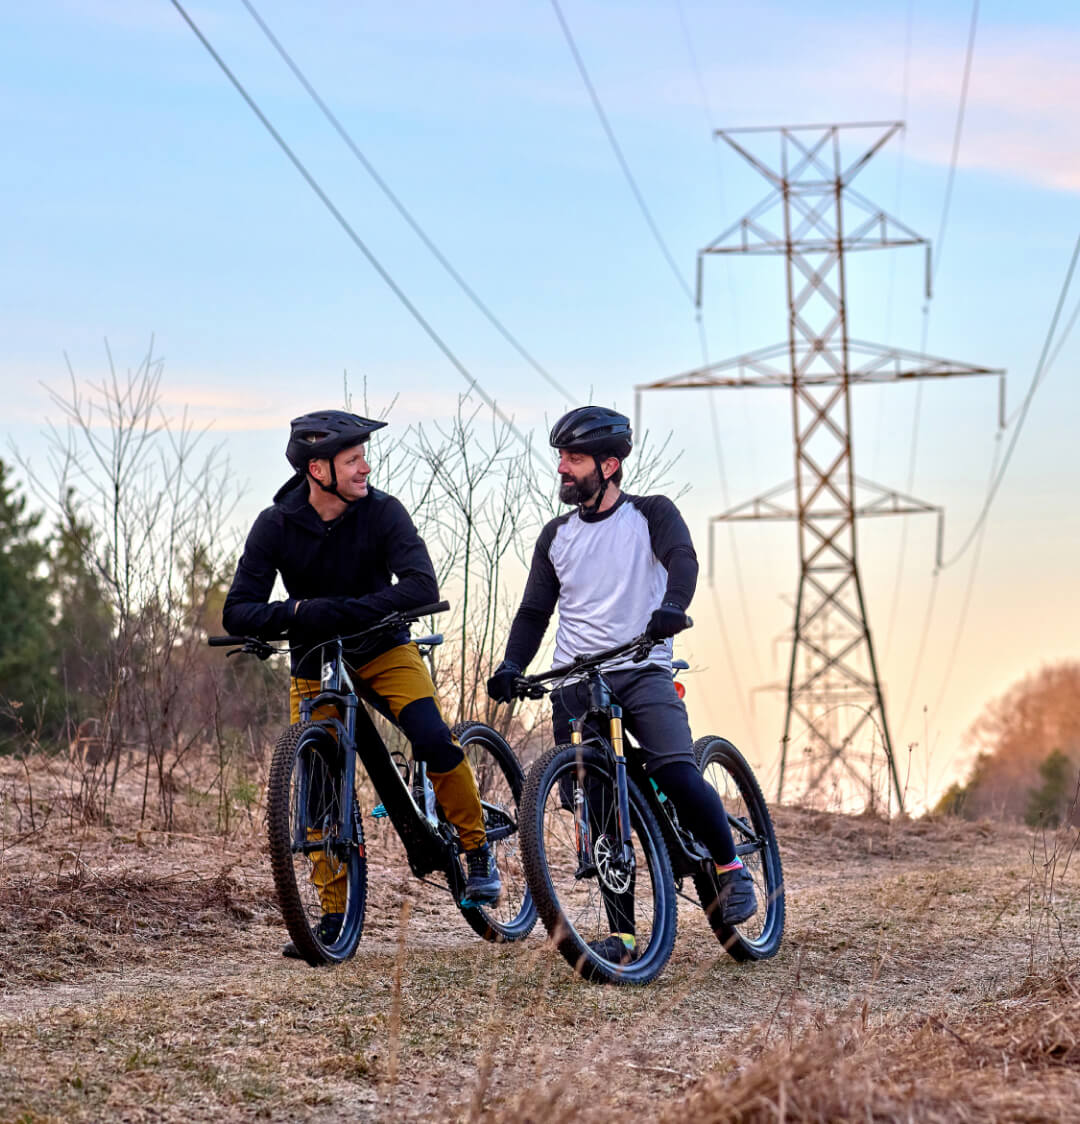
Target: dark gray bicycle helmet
598 431
594 429
322 435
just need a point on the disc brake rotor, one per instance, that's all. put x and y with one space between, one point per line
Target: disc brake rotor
613 874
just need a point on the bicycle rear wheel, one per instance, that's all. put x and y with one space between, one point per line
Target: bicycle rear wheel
583 891
725 768
316 849
500 779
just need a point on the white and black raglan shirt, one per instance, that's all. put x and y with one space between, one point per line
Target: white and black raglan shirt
606 572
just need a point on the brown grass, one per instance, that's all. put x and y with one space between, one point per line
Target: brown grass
1017 1059
140 979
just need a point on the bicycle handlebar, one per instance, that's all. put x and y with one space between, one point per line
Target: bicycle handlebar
262 648
530 686
425 610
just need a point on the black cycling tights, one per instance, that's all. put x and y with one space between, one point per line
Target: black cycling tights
700 808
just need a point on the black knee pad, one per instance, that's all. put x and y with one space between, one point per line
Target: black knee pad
430 736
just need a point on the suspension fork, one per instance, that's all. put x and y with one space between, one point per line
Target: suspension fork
582 832
622 804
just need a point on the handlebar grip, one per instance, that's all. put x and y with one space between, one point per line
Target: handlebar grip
427 610
224 641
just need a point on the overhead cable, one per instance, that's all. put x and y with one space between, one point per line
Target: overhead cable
355 238
402 210
706 107
956 137
616 148
958 131
1040 373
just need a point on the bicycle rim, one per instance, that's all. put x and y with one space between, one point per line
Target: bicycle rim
500 779
585 893
316 852
726 770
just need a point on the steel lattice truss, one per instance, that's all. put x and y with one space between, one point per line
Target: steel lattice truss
813 217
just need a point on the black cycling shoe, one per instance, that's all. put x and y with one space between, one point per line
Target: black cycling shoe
614 950
735 896
329 927
484 885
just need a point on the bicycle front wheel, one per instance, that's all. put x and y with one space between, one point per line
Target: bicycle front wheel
316 847
587 893
500 779
725 768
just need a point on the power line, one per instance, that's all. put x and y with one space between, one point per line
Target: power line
890 303
946 205
683 284
978 531
353 236
703 339
956 136
688 40
888 333
1040 372
402 210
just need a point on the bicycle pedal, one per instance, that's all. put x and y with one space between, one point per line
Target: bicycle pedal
379 812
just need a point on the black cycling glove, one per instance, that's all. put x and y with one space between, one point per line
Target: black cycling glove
666 621
500 686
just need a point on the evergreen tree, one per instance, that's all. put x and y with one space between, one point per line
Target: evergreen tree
1047 804
30 701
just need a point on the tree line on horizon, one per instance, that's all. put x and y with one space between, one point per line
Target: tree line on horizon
1027 763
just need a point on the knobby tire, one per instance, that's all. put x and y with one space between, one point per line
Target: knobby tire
545 842
500 780
726 769
301 753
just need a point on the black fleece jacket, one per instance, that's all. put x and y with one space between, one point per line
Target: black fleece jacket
342 572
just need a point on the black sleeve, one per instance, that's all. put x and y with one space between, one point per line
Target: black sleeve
672 545
407 559
537 604
248 610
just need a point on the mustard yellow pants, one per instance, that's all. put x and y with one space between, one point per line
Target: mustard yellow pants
399 684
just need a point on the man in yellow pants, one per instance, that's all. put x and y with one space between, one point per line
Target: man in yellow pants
339 545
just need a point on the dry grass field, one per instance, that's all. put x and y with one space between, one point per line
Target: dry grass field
929 973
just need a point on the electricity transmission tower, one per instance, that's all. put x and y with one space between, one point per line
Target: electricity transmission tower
813 218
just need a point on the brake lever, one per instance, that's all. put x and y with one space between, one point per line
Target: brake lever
253 647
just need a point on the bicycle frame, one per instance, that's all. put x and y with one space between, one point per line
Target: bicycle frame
425 847
688 855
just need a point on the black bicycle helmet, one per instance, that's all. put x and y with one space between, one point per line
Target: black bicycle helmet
594 429
322 435
599 432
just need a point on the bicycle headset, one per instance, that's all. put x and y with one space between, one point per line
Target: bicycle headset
321 436
598 431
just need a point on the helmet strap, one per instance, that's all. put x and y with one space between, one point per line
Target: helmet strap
332 486
594 507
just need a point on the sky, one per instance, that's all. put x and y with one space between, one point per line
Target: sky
143 199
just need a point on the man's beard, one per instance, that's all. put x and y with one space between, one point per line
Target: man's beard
570 491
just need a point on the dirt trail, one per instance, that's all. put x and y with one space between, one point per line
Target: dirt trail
144 982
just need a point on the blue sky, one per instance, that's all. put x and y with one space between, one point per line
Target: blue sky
141 196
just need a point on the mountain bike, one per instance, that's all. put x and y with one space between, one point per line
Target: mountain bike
314 825
602 845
